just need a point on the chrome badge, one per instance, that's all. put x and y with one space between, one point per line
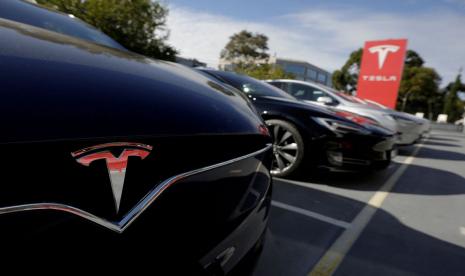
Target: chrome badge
116 165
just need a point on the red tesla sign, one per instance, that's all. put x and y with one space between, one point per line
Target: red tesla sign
381 71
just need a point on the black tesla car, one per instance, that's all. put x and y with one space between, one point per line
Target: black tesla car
114 159
306 132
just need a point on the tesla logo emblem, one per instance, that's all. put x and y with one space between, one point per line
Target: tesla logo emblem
383 51
116 165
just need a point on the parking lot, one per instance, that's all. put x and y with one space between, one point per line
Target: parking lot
406 220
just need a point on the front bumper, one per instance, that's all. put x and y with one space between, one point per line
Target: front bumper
410 133
228 257
212 218
357 152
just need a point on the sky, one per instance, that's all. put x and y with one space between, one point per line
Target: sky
322 32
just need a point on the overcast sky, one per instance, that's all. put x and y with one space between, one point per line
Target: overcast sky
322 32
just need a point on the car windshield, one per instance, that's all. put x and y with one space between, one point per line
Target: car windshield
348 97
28 13
252 86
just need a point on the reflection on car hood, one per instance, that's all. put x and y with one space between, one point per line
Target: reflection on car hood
303 105
58 87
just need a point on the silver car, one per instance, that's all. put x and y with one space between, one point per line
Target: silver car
425 123
409 129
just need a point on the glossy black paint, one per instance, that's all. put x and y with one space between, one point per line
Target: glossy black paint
359 150
91 86
60 94
38 16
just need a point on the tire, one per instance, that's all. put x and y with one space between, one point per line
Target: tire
288 147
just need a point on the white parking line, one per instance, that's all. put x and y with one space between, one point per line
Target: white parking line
311 214
334 256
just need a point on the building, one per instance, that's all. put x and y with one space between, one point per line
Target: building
303 70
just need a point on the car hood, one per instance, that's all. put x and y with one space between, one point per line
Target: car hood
58 87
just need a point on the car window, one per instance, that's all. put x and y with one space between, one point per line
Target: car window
305 92
280 85
251 86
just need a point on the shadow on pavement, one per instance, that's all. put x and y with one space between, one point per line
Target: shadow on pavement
356 180
442 139
455 135
430 143
295 243
389 247
435 181
405 150
430 153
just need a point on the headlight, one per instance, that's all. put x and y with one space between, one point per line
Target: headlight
341 127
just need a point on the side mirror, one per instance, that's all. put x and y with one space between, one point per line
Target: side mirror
324 100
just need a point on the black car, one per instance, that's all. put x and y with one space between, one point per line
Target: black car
42 17
114 159
306 132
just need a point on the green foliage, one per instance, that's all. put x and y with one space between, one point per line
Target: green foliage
138 25
413 59
420 89
245 48
264 71
453 106
247 52
346 78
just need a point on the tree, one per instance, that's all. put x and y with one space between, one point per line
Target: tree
246 49
346 78
419 88
138 25
413 59
453 106
265 71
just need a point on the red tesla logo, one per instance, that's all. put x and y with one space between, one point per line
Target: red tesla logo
116 165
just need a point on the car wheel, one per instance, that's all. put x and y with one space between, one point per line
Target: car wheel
288 147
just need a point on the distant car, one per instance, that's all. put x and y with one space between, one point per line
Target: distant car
425 123
117 160
307 132
38 16
409 130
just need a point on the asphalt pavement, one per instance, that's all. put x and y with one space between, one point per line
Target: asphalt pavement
406 220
